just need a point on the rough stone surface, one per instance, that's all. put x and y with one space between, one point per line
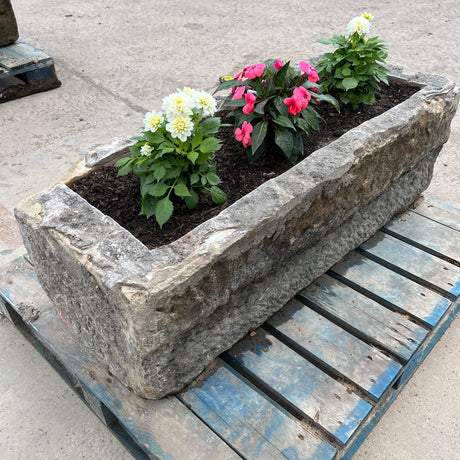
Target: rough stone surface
8 26
159 317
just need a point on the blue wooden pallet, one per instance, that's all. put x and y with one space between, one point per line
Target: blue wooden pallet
25 70
311 383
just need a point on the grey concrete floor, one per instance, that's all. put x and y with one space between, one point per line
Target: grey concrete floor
116 61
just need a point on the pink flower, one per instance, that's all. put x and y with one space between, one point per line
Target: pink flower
239 76
309 70
249 107
244 134
238 93
313 75
278 64
304 66
254 71
299 100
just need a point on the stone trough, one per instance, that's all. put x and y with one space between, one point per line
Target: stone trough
159 317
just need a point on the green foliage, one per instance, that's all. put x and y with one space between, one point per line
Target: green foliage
270 117
173 168
353 71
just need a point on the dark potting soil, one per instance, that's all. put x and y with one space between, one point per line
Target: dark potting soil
119 197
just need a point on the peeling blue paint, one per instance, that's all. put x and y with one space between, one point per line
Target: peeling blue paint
385 379
352 422
439 309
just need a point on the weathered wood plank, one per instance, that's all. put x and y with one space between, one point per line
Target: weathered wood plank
165 428
19 55
319 397
426 234
335 348
364 317
393 290
439 212
251 423
414 263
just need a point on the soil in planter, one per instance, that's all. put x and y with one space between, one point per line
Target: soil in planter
119 197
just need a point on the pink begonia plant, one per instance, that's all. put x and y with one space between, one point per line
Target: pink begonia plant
244 134
274 103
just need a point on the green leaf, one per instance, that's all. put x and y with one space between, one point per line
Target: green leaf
126 169
209 126
163 211
281 106
303 125
218 195
135 150
284 140
258 135
181 190
349 83
346 71
137 138
280 75
193 156
328 98
369 98
154 138
325 41
196 141
192 200
149 204
284 121
229 84
194 178
159 172
209 145
158 189
311 117
122 161
212 178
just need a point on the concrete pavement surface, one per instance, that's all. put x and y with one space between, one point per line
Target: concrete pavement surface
116 61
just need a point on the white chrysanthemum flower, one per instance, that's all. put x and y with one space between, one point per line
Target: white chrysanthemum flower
146 149
368 16
190 92
176 104
360 24
153 121
180 127
206 102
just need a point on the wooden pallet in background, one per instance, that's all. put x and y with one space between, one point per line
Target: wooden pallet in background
25 70
311 383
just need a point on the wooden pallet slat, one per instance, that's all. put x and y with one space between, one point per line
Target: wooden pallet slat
391 289
364 317
426 234
249 421
336 409
19 55
335 348
25 70
439 212
414 263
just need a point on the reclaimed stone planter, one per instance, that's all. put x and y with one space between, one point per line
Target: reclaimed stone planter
159 317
